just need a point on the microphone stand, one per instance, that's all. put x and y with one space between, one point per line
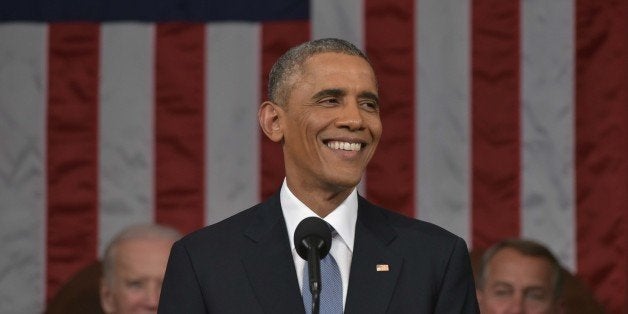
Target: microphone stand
314 270
312 239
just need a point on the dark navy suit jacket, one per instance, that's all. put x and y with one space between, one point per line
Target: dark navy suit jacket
244 265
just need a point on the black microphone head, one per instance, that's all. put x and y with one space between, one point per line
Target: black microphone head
312 232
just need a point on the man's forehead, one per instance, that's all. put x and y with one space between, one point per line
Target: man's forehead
142 248
308 72
316 60
509 283
328 71
512 266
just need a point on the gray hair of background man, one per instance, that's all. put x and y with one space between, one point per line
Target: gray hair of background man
290 62
528 248
134 232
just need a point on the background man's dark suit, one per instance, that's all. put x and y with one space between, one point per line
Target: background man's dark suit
244 265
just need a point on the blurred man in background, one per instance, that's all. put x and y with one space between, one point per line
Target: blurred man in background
519 276
133 269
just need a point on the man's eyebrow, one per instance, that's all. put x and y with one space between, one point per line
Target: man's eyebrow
337 92
369 95
535 288
501 284
333 92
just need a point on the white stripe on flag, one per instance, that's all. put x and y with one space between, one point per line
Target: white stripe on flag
548 209
443 115
233 96
341 19
23 57
126 127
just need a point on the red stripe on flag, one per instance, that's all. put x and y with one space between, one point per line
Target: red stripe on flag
72 151
179 125
390 46
277 38
602 149
495 121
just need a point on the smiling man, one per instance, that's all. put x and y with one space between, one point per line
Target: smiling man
324 112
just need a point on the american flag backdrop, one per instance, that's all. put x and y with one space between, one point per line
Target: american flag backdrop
501 118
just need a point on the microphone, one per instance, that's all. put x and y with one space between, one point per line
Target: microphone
312 240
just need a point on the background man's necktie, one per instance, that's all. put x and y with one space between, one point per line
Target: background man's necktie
331 286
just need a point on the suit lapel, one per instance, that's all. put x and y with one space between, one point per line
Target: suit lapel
269 265
370 290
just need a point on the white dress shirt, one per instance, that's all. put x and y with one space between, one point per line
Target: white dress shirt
343 219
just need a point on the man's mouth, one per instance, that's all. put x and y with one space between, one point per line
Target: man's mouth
349 146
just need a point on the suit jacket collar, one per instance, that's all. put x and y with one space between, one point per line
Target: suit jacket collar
371 287
269 263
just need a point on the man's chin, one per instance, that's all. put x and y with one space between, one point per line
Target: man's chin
342 183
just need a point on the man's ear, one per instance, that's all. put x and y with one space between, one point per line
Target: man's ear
269 116
106 297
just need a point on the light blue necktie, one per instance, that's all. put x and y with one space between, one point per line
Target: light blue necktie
331 286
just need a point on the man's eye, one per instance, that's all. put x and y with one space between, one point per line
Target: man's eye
329 100
135 284
370 105
502 292
537 296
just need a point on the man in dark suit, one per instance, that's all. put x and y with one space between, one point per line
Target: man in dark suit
324 111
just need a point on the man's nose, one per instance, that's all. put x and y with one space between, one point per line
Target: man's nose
516 305
350 116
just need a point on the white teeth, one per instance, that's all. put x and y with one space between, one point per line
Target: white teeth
345 146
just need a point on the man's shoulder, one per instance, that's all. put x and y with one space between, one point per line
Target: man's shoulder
406 226
227 230
413 237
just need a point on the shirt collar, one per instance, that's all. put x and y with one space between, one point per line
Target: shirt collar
343 218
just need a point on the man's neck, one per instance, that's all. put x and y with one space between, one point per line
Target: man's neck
322 201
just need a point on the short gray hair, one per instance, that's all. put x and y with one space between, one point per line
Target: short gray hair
527 248
134 232
291 61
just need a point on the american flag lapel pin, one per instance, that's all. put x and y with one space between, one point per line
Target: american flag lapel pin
382 267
